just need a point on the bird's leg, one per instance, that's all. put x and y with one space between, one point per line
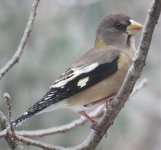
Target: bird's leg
107 100
94 122
101 101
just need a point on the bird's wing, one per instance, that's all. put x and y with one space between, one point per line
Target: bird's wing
80 76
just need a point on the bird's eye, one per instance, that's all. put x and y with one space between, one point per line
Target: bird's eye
118 25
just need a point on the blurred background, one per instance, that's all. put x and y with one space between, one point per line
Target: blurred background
62 31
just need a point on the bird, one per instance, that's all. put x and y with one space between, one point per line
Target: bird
95 76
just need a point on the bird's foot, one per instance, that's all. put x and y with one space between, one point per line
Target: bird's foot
93 122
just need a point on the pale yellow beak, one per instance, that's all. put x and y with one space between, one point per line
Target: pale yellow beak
134 27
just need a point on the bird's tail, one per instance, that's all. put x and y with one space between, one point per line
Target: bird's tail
35 111
20 119
37 108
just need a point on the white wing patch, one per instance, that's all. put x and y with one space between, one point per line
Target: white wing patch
76 73
83 82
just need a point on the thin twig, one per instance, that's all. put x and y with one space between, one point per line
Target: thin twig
7 98
16 57
35 143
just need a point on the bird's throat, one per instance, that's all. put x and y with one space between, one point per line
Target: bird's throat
100 44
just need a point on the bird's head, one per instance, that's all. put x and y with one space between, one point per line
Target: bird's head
116 30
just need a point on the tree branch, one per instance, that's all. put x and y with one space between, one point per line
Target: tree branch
16 57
